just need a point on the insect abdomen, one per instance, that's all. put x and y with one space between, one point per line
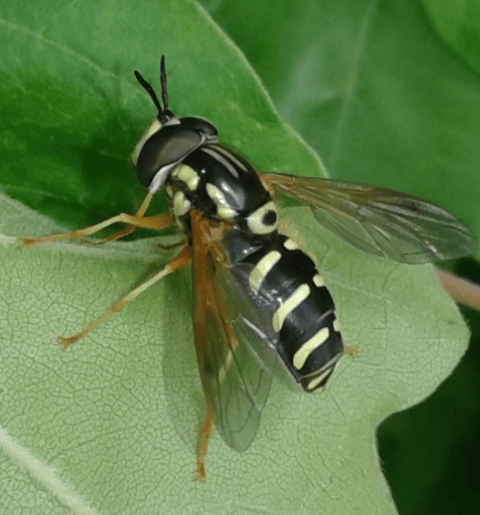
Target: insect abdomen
284 284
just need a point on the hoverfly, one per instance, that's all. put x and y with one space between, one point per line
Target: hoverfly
258 299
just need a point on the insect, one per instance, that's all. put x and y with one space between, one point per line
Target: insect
259 301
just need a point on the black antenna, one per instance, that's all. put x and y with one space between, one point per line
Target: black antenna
150 90
163 82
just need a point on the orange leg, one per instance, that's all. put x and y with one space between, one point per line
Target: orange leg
208 308
182 259
171 246
129 228
149 222
203 446
132 221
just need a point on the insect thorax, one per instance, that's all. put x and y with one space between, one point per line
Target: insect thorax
224 187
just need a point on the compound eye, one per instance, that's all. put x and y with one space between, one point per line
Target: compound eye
165 147
200 125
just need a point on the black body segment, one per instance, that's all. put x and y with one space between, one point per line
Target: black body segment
294 305
296 308
220 184
234 177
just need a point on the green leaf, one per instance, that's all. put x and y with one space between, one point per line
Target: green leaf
116 416
458 25
110 426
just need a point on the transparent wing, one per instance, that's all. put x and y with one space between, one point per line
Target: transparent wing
379 220
235 357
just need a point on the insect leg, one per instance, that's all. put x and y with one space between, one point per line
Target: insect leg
182 259
171 246
148 222
129 228
218 314
202 448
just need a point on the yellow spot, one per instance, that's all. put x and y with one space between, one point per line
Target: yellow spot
255 220
225 212
318 281
315 382
188 175
257 275
297 297
223 209
324 372
290 245
180 204
309 346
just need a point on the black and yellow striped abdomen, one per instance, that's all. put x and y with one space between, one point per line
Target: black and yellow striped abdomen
293 302
295 308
